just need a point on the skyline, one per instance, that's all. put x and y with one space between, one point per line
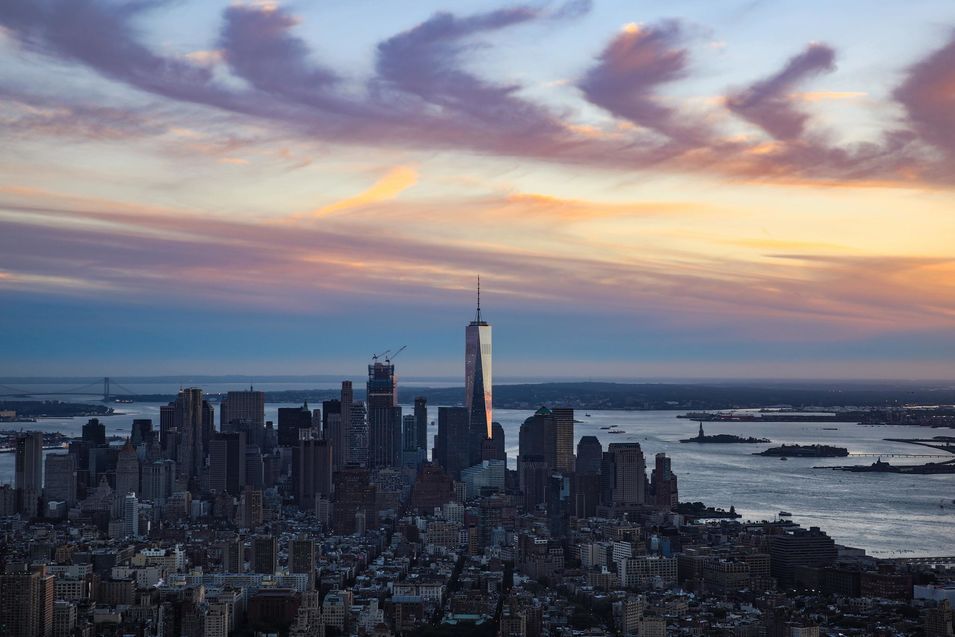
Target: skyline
678 191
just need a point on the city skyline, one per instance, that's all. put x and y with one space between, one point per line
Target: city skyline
684 190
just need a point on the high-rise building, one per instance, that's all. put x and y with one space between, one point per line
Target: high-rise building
349 438
26 601
293 421
421 422
538 438
563 439
193 422
452 445
384 416
663 483
533 476
333 431
227 462
301 558
244 411
127 470
94 432
477 374
358 434
432 488
354 500
495 448
232 558
158 480
142 432
29 461
131 515
265 554
60 483
627 473
242 407
28 477
311 471
550 433
589 454
799 547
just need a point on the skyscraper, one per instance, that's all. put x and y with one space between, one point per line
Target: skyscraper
627 474
292 420
311 471
347 398
127 470
227 462
421 421
60 484
28 478
265 552
477 374
243 406
384 416
589 452
193 420
452 446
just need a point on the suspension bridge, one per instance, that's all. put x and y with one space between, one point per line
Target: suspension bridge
107 388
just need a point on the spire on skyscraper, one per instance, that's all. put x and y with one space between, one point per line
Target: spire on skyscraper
478 318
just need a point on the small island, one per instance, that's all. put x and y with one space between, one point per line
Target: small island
698 510
805 451
724 438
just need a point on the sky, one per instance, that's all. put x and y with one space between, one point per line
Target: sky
681 189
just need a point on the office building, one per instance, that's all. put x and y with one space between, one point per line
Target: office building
453 448
244 411
421 422
799 547
663 483
158 480
142 432
349 437
301 558
94 432
127 470
60 484
131 515
625 469
384 416
477 375
294 422
563 439
311 471
589 454
227 462
265 554
354 500
333 431
242 407
358 434
28 471
26 601
233 560
192 419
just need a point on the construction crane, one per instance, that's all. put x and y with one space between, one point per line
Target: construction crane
395 355
375 357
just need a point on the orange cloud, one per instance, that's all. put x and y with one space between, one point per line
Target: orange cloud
392 184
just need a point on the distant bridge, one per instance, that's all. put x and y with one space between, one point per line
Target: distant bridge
897 455
106 388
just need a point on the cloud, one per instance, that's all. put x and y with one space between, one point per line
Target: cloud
631 68
928 95
389 186
766 103
425 95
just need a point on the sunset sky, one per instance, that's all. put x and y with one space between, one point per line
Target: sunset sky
687 188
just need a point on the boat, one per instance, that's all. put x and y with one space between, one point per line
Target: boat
588 415
783 458
785 514
606 427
